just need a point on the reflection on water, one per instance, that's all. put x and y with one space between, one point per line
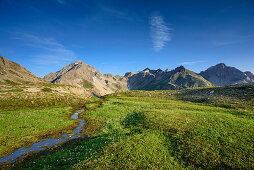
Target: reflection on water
47 142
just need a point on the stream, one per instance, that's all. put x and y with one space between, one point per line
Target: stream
16 155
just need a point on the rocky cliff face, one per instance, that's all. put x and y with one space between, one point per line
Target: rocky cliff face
222 75
10 71
83 75
178 78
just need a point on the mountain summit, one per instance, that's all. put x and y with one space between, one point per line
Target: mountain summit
223 75
83 75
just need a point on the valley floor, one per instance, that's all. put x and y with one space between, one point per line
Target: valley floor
160 130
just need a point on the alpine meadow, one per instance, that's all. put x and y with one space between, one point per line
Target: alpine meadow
126 84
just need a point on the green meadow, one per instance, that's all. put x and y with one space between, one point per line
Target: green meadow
28 117
23 127
153 130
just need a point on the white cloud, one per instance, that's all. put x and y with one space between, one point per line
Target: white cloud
53 52
190 62
49 44
160 32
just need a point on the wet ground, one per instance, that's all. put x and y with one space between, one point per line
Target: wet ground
49 142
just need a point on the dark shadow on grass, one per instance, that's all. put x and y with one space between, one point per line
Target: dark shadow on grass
134 119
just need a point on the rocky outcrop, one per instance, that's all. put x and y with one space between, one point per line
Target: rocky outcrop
249 74
83 75
10 71
178 78
222 75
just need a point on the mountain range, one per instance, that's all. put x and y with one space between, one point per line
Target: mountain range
86 76
178 78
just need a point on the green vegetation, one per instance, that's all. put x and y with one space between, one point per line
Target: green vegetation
46 89
87 84
156 130
12 90
25 126
29 113
118 87
9 82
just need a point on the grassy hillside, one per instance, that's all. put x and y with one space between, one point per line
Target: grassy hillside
161 129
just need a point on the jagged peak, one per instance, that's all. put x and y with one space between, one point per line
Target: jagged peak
78 62
223 65
146 69
180 69
128 74
108 75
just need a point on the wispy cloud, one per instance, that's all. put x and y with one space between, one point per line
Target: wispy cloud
53 52
115 13
61 2
190 62
160 32
45 59
49 44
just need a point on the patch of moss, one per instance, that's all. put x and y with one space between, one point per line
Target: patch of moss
87 84
11 82
46 89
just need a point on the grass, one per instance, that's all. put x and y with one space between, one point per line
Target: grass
87 84
26 126
46 89
9 82
154 130
28 117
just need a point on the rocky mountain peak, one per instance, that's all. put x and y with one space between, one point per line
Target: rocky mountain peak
223 75
249 74
179 69
221 65
78 62
81 74
165 80
146 69
128 74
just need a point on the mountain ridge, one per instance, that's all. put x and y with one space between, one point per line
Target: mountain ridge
86 76
11 71
223 75
83 75
178 78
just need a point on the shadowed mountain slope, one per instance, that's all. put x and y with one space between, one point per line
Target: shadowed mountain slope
222 75
179 78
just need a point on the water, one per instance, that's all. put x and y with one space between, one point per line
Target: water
47 142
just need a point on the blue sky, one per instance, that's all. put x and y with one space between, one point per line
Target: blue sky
127 35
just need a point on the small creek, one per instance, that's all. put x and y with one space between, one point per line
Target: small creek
47 142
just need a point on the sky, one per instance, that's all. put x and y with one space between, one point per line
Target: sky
119 36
